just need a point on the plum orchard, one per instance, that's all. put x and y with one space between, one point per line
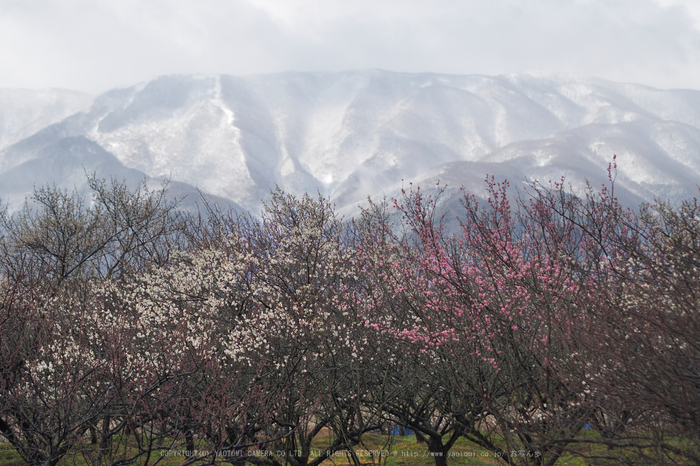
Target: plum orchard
486 314
129 330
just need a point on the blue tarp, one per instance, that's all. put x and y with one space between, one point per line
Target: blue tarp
397 429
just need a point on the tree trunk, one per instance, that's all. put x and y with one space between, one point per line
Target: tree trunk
437 451
440 457
189 439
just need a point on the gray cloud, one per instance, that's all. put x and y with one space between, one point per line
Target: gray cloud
93 45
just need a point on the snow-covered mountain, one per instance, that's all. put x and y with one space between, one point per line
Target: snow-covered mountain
359 133
24 112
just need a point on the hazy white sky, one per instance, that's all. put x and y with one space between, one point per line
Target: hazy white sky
94 45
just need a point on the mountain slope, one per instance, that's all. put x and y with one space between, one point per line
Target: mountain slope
69 161
24 112
356 133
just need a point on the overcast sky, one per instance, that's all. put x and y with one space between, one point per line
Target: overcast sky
94 45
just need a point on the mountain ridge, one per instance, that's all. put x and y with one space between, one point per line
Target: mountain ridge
359 133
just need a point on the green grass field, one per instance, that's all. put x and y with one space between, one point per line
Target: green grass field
9 457
374 449
396 451
405 451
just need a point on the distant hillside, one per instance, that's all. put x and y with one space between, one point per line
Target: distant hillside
359 133
24 112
